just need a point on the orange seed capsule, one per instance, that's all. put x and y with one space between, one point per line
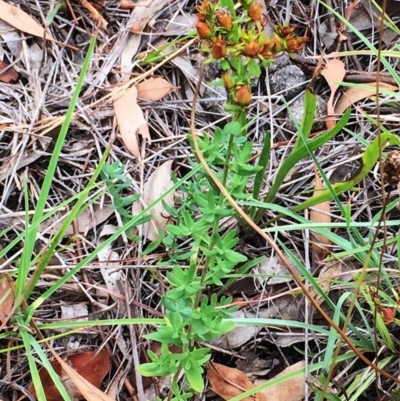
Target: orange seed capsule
224 18
243 96
252 49
256 12
203 30
218 50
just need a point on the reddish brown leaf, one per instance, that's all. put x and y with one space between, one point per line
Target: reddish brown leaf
6 296
229 382
86 367
9 75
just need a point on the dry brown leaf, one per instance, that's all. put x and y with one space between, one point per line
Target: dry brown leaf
144 10
326 275
82 375
6 296
9 75
131 120
22 21
290 390
273 271
87 220
333 72
353 95
153 89
229 382
319 214
157 184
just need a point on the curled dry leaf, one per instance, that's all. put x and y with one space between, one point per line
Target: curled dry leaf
353 95
78 312
131 120
7 75
319 214
22 21
111 271
6 296
82 375
153 89
333 72
289 390
157 184
229 382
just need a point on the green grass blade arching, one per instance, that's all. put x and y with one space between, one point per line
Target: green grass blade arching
263 162
369 158
302 152
310 107
31 231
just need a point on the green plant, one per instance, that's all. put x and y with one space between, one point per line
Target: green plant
236 38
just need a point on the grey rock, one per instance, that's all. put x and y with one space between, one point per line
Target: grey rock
297 109
279 62
288 80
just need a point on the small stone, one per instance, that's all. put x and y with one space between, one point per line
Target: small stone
279 62
288 80
216 107
297 109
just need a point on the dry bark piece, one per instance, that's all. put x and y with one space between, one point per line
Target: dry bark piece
391 169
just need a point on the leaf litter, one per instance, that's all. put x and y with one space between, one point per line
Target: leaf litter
24 97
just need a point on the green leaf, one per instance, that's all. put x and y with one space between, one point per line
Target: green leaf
195 378
310 107
229 4
263 163
301 152
254 68
232 128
